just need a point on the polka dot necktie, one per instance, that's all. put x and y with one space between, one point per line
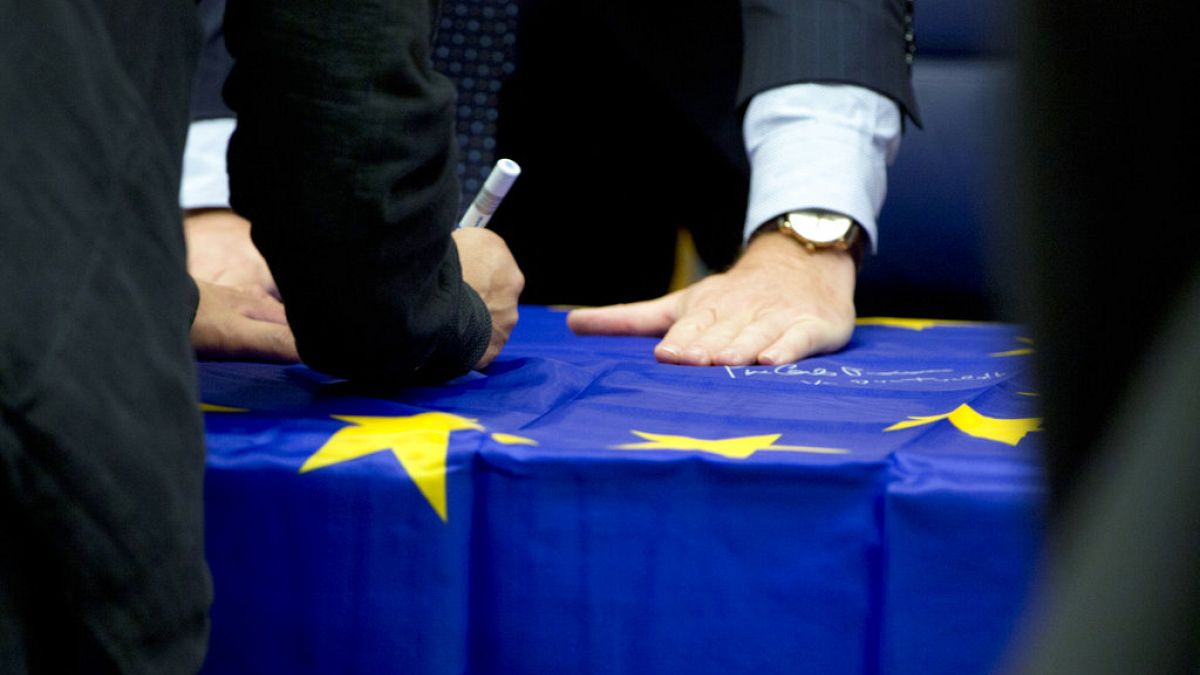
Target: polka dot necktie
474 47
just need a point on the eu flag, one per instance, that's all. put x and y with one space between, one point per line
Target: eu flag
579 508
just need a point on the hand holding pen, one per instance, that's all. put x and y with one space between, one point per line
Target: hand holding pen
487 264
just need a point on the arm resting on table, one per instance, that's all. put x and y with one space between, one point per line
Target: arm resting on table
344 161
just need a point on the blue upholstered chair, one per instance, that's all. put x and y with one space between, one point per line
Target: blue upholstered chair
938 236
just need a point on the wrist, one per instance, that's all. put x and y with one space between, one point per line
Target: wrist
818 232
215 219
772 247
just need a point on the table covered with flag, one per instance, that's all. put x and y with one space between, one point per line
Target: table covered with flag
579 508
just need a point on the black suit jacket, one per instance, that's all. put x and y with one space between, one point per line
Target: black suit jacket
344 161
869 44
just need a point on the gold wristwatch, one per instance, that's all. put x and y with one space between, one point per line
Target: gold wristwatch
818 230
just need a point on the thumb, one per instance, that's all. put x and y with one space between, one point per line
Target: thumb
649 317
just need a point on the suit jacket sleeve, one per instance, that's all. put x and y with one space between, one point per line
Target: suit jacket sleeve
868 43
344 160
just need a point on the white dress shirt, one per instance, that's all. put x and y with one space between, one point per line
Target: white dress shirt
205 183
823 146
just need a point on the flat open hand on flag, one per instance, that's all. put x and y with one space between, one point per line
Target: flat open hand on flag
777 304
235 323
240 315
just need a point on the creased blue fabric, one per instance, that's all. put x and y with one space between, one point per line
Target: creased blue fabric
910 552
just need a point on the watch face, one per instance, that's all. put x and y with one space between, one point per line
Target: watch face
820 228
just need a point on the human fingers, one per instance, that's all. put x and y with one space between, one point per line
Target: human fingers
703 347
649 317
257 304
678 345
223 327
753 338
502 325
489 268
806 338
247 339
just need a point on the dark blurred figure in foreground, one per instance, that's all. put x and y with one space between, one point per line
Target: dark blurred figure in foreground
101 451
1114 299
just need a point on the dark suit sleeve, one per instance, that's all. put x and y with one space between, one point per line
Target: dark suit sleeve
868 43
344 161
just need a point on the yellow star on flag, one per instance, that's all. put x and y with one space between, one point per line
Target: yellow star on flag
1023 351
510 439
210 407
420 442
967 420
733 448
911 324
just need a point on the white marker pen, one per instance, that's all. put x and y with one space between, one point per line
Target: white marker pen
503 175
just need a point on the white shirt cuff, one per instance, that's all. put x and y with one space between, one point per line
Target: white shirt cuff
820 146
205 181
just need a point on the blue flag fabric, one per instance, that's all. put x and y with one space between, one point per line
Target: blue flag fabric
580 508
